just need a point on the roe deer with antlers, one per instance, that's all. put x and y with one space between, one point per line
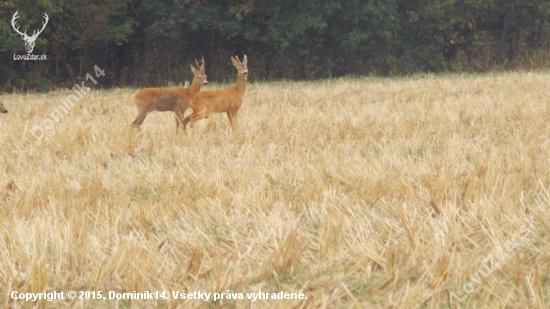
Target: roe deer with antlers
220 101
175 100
3 109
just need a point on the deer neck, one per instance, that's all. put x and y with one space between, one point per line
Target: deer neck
195 86
241 83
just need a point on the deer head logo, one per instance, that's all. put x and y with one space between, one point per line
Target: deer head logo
29 40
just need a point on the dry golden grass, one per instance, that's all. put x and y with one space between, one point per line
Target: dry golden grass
368 193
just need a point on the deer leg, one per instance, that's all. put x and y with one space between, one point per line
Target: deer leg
234 124
185 122
142 113
197 116
230 119
139 119
179 119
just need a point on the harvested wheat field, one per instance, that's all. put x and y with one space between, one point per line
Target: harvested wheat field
420 192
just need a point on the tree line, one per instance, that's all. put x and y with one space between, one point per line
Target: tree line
151 43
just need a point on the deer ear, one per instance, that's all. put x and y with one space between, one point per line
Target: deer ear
235 62
195 71
245 60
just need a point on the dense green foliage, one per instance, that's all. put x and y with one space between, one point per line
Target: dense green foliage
146 43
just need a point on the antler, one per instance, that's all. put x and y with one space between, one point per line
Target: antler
200 64
34 34
13 25
43 27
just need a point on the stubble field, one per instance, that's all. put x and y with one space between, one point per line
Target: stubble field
421 192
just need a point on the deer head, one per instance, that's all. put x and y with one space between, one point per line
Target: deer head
242 67
29 40
199 73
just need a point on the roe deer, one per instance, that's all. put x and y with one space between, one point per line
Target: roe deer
3 110
162 100
227 100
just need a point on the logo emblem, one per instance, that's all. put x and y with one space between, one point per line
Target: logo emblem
29 40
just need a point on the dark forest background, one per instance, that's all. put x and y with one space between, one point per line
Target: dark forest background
151 43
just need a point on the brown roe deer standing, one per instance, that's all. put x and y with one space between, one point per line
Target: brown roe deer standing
227 100
3 110
162 100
